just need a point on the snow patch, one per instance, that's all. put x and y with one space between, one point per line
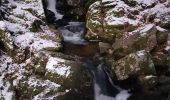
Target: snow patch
57 65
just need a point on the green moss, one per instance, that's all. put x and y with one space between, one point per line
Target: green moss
35 26
140 43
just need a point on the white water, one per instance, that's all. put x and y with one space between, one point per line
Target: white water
100 81
73 33
52 7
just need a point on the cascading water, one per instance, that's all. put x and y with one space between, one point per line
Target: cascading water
104 88
73 32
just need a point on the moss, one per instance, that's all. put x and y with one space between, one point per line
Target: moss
33 12
140 43
35 26
5 42
54 77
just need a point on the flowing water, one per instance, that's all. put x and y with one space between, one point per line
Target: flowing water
74 44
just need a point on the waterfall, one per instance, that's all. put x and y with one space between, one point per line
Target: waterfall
52 8
104 88
73 33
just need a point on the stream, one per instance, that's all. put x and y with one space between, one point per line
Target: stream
73 31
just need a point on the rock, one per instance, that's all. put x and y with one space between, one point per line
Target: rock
39 64
58 77
104 47
165 21
35 27
134 64
148 82
71 75
161 62
161 35
6 42
94 21
73 2
34 87
148 4
142 38
106 20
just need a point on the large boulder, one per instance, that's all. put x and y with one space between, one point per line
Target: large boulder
142 38
106 20
58 77
134 64
71 75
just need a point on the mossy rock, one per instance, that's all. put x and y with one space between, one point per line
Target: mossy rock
6 43
134 64
127 43
35 87
35 26
72 76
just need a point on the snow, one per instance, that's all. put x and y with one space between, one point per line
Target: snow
146 2
167 48
160 29
4 91
57 65
149 77
111 20
52 7
36 43
146 28
2 25
141 53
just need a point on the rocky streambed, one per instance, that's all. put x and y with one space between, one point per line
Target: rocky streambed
84 50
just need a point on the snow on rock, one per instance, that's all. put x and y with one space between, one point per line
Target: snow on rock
5 93
146 2
57 65
2 25
34 42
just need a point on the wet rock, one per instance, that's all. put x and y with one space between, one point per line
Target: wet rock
73 2
134 64
148 82
161 62
104 47
142 38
